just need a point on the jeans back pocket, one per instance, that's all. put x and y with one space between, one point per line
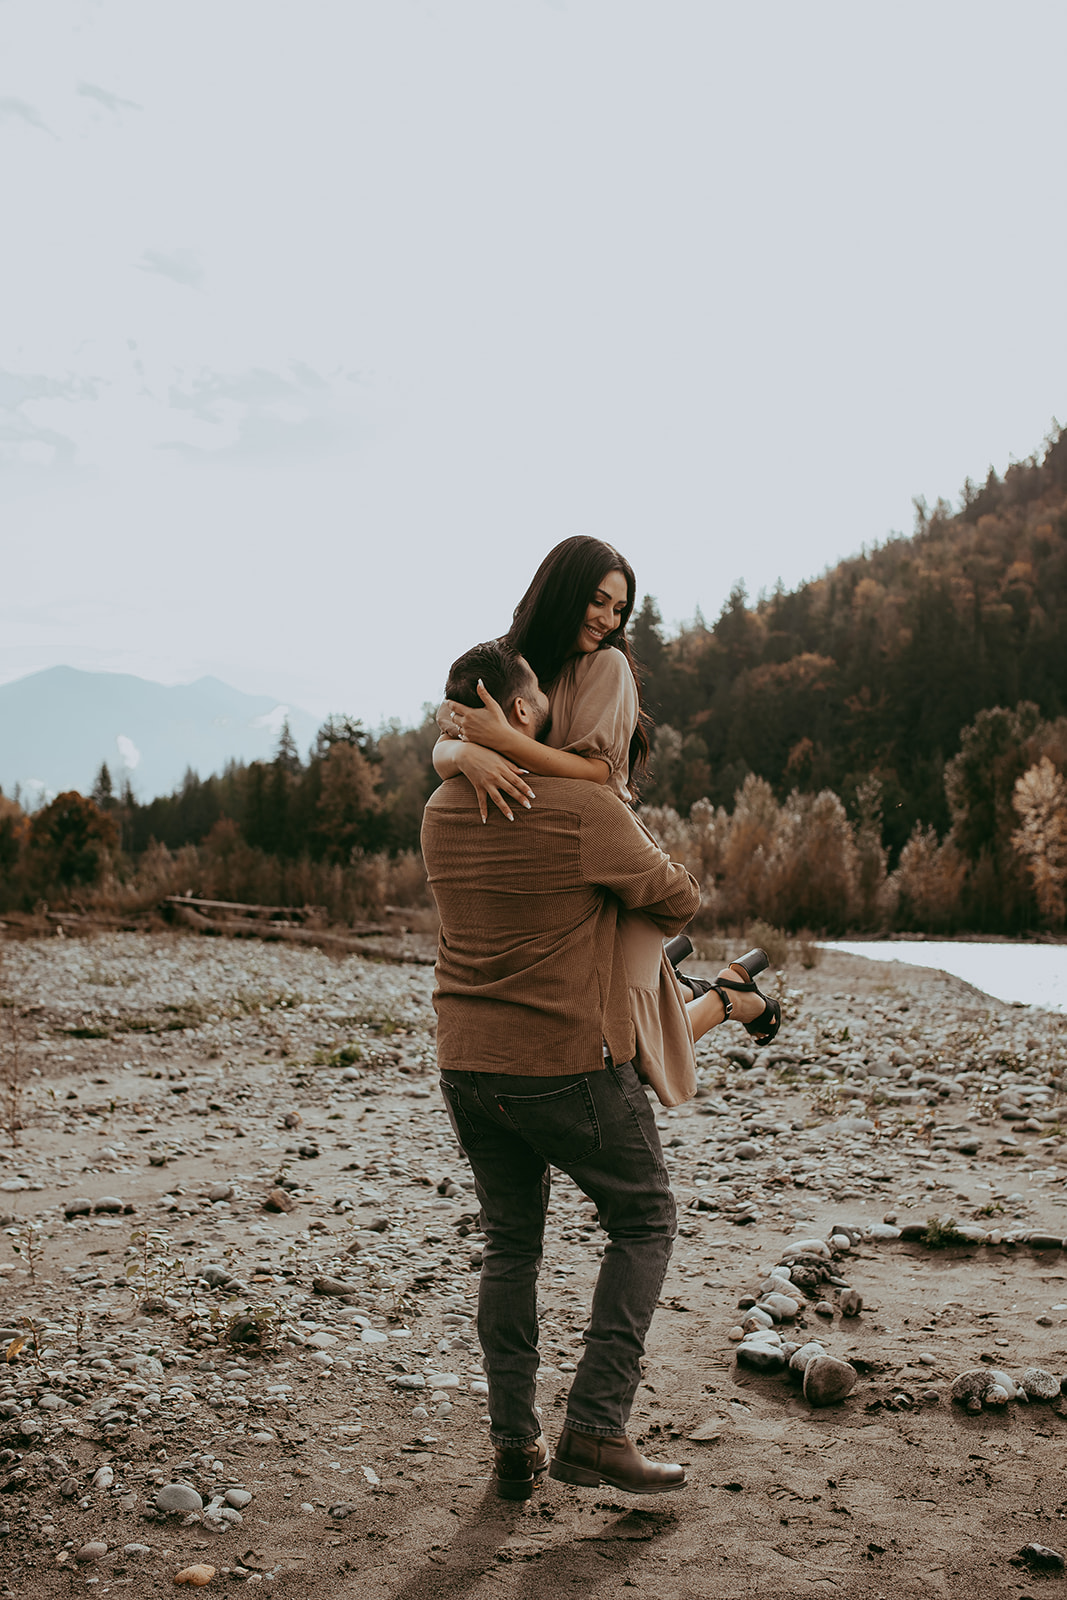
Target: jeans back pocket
464 1127
560 1125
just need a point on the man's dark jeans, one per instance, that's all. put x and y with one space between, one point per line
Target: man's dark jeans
599 1128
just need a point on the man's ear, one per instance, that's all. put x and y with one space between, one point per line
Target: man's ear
521 712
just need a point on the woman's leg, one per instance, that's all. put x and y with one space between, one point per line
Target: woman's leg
707 1011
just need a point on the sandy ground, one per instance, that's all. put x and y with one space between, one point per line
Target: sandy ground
154 1067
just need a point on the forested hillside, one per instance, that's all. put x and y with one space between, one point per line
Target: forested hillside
883 747
877 666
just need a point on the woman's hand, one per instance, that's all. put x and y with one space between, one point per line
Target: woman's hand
486 726
492 776
445 726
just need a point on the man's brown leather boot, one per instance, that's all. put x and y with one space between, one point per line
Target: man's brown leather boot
591 1460
518 1467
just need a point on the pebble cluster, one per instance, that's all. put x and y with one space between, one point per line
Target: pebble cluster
795 1282
990 1386
806 1264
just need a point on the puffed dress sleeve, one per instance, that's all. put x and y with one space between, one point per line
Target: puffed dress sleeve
594 712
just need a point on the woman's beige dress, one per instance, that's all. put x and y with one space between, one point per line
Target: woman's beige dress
594 713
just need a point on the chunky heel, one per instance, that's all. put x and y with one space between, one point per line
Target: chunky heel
519 1468
676 950
752 961
516 1488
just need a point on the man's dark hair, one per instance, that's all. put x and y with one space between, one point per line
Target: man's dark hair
503 671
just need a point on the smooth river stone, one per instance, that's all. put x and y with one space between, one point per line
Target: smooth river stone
1039 1384
757 1318
1040 1557
781 1307
827 1380
178 1497
972 1233
971 1385
761 1357
798 1361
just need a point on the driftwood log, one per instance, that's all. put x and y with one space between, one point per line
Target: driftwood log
260 913
184 910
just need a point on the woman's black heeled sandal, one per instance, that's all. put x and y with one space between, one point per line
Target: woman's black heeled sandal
765 1026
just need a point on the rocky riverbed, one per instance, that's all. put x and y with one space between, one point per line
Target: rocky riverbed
240 1265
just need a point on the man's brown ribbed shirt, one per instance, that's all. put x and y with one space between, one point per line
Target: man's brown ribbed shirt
529 976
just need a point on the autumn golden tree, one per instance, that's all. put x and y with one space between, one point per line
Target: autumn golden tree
928 883
1040 800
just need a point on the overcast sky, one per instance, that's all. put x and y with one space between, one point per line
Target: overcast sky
325 319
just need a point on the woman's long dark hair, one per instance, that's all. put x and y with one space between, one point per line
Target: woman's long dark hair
551 612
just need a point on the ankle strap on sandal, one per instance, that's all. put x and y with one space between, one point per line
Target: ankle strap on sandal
738 988
727 1003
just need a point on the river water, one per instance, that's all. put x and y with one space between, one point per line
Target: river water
1035 974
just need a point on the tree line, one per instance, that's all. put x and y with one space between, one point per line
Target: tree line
884 747
338 829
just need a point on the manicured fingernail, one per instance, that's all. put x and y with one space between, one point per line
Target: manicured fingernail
510 817
526 803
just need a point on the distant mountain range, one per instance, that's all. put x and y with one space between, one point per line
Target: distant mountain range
57 726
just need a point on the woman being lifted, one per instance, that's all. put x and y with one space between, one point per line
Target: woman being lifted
571 627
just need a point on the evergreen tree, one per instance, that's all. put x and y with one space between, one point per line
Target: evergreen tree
341 730
287 756
103 791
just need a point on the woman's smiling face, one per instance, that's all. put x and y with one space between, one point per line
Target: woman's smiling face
604 612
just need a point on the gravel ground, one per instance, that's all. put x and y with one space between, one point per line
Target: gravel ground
241 1260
